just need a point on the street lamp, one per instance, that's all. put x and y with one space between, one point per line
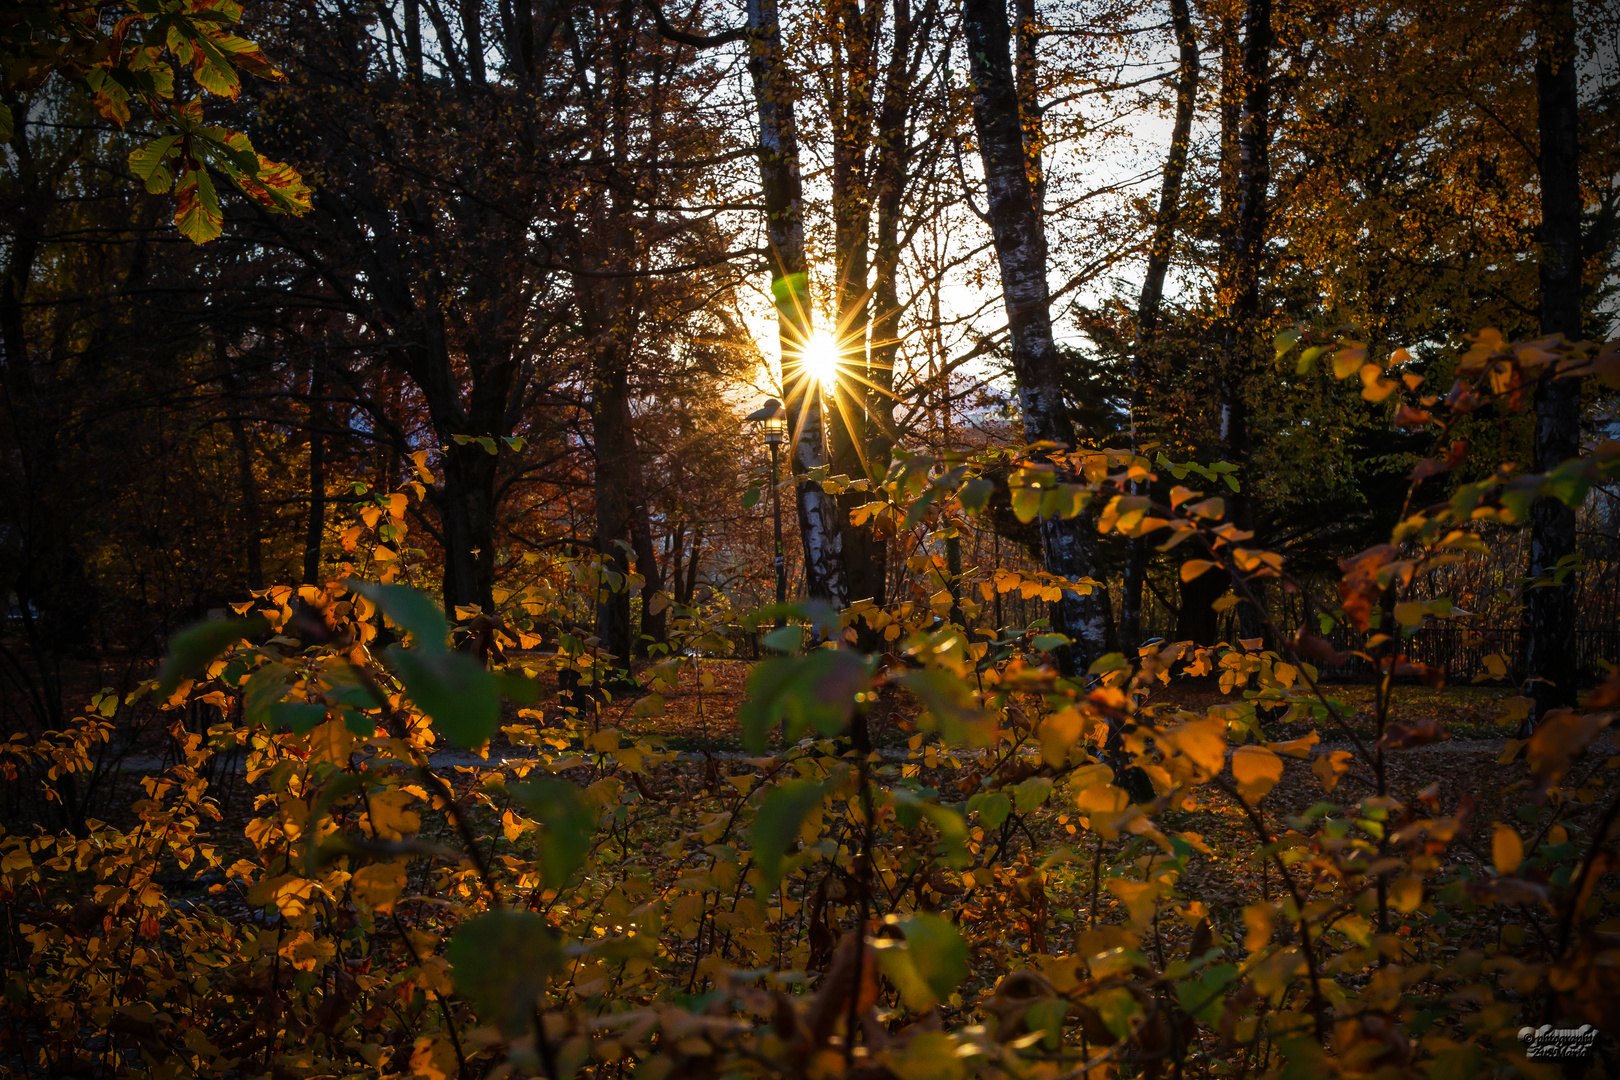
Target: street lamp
772 420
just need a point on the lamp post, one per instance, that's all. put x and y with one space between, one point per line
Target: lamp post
772 419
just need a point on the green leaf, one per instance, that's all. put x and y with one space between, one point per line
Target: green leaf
197 213
1117 1007
776 826
1519 494
147 160
264 688
1205 996
929 964
515 443
194 648
750 498
784 639
453 689
301 717
1029 794
993 810
502 960
1047 1018
519 689
410 610
1048 642
1285 341
1026 503
950 708
975 494
812 691
568 821
1307 359
1108 662
358 723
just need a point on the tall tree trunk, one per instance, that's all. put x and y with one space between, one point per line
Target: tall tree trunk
1067 546
1550 642
615 458
690 588
1147 309
854 48
790 287
1246 257
315 524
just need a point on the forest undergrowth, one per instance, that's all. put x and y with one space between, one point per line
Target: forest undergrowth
1065 873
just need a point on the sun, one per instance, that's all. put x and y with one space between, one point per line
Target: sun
820 357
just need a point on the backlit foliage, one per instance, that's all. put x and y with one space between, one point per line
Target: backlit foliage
990 901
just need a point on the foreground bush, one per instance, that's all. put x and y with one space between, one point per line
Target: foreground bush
1026 890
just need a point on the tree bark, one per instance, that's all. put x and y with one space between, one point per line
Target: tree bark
1550 642
1242 295
1147 309
854 77
1067 546
784 226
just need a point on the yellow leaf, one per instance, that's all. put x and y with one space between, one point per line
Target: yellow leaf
1058 732
377 886
1406 894
1330 766
1195 568
1139 897
434 1059
513 826
1349 359
1257 771
1275 972
1203 741
1257 918
1297 748
1507 849
331 741
389 818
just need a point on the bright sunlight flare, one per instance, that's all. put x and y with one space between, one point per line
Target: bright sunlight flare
821 357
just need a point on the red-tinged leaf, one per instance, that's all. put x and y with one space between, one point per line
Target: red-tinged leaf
198 214
1406 416
1312 647
1418 733
1360 588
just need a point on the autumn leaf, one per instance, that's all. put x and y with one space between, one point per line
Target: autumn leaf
1257 770
1507 849
1201 741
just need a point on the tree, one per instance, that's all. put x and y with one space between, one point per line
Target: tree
1550 614
1020 241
